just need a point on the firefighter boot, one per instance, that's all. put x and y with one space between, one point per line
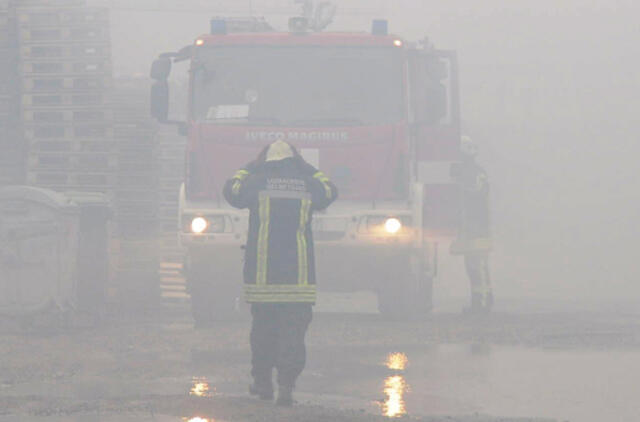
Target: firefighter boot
476 305
488 302
262 388
285 396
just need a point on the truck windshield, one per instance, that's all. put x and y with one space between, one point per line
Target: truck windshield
298 86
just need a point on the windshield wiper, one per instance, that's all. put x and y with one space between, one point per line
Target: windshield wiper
328 121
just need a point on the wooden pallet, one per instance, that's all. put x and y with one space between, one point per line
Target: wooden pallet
49 3
94 161
74 145
77 99
148 209
71 180
135 132
62 16
55 34
146 181
68 52
66 83
90 66
88 132
168 225
126 194
71 116
135 227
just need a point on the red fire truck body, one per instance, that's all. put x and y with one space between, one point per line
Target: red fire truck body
377 114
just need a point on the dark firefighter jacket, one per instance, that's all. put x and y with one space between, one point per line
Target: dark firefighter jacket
281 196
475 233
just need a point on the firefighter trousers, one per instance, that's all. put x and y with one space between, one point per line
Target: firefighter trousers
277 341
477 266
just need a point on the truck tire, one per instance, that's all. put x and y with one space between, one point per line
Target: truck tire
210 301
409 296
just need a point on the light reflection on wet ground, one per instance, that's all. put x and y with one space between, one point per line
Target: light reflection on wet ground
425 379
200 388
455 379
395 386
397 361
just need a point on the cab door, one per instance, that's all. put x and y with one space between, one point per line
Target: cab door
435 122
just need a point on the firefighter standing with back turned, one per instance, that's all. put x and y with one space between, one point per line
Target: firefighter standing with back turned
281 191
474 241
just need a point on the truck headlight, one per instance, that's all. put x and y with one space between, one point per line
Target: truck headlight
199 225
204 224
392 225
386 225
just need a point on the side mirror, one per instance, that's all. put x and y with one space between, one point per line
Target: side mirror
437 102
160 69
160 100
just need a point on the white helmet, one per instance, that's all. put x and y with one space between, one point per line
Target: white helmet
279 150
468 147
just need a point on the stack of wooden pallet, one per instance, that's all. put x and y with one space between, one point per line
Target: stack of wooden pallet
171 147
11 144
136 197
65 68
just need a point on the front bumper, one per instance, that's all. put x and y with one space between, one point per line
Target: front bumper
348 258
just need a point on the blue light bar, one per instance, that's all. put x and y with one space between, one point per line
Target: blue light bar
218 27
380 27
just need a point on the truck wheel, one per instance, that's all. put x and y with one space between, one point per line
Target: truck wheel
200 302
210 302
410 296
406 300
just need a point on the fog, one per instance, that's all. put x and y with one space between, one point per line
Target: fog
549 91
129 326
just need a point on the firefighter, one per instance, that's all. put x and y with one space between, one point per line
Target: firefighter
474 241
281 191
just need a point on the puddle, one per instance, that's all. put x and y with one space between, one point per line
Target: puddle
586 386
463 379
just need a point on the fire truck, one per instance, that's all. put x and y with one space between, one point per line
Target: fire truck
377 113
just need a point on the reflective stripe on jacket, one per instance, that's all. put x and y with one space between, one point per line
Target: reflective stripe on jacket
281 196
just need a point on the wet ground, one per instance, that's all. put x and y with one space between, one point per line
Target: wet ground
569 366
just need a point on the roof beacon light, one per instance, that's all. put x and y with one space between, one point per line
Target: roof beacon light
380 27
218 27
398 43
199 42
